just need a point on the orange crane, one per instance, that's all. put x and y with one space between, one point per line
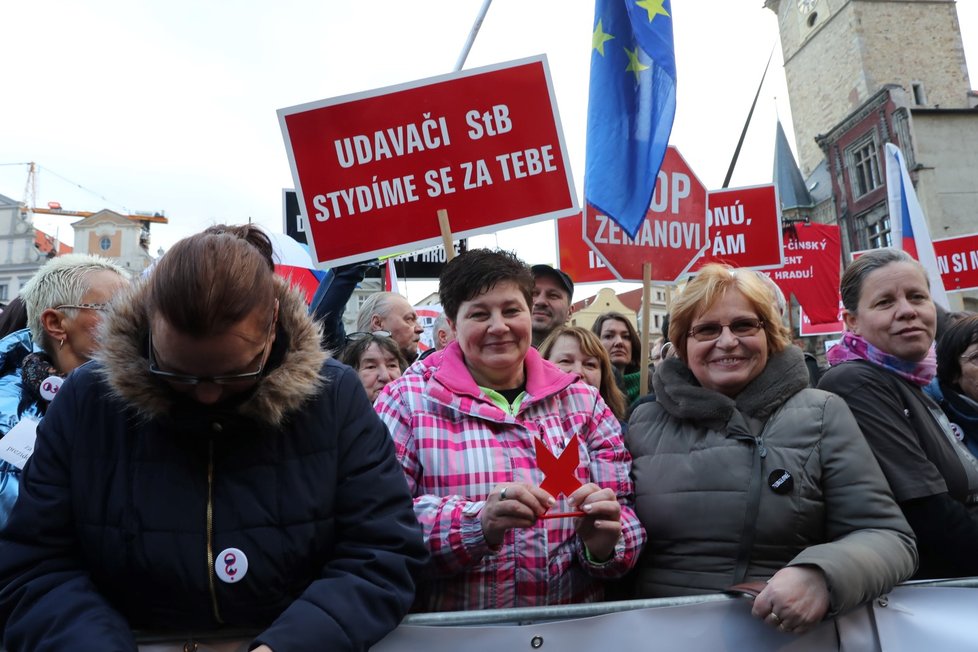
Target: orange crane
54 208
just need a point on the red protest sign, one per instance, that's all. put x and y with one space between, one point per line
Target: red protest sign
745 228
811 269
373 169
581 262
559 477
671 237
807 329
957 259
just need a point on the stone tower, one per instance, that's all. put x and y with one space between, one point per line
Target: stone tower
839 53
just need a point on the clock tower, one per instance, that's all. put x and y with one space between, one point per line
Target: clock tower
839 53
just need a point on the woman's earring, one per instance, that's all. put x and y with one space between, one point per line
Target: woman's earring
61 343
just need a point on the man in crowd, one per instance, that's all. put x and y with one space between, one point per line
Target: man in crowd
552 294
386 311
441 335
441 332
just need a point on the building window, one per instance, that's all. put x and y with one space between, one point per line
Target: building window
105 243
865 166
919 96
879 234
3 291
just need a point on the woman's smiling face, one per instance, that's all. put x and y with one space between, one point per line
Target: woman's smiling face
728 363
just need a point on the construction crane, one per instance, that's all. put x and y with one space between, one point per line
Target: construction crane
54 208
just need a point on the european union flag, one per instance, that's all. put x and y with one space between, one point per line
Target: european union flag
631 106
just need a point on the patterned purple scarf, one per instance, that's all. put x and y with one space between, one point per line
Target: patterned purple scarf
854 347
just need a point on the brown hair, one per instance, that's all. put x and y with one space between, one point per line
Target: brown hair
709 284
592 346
635 363
958 337
354 350
477 271
856 272
211 280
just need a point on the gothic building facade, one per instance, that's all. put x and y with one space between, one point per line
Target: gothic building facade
863 73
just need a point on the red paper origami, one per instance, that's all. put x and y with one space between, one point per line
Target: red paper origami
558 472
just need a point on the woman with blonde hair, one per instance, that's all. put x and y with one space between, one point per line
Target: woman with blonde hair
746 475
63 304
577 350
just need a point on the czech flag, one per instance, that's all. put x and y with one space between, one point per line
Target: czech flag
907 223
293 262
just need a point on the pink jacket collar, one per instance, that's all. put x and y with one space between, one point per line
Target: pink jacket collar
448 367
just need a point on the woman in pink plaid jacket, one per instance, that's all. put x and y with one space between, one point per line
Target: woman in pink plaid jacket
519 472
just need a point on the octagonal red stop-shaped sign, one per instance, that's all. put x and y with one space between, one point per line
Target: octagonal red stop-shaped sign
671 237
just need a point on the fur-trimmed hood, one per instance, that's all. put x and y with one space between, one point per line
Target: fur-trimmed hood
288 384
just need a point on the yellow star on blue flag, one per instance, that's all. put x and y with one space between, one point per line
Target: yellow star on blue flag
631 106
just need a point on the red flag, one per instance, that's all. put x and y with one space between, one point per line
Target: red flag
390 277
812 257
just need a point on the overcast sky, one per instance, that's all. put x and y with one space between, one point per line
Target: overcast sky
170 106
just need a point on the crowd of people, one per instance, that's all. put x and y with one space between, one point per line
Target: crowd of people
216 453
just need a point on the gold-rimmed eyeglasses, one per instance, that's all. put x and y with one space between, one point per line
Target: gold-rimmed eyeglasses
713 329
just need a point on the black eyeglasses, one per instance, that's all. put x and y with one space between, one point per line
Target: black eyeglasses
224 379
712 330
83 306
359 335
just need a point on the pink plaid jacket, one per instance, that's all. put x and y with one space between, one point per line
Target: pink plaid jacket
455 445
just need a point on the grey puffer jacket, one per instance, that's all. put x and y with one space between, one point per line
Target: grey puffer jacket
733 490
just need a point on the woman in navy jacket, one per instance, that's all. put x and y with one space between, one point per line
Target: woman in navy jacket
212 469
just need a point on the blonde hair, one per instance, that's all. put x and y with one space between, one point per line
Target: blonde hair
62 280
709 284
591 346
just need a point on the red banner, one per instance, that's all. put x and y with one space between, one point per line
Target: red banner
811 269
807 329
957 259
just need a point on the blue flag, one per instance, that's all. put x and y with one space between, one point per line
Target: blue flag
631 106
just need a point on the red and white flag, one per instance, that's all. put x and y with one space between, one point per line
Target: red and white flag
390 277
907 223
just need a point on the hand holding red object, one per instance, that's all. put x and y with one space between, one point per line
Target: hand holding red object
512 505
600 528
559 472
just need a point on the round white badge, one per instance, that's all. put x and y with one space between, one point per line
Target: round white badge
231 565
50 387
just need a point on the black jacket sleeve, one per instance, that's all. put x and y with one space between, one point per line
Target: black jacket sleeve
368 585
946 534
48 601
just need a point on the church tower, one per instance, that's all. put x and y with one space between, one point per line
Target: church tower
839 53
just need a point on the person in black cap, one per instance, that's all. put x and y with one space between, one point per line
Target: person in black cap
552 293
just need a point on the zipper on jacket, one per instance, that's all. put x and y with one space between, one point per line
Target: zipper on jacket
210 531
753 507
761 449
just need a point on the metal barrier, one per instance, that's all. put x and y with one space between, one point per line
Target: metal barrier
873 627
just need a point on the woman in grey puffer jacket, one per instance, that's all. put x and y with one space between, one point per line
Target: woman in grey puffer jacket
743 474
